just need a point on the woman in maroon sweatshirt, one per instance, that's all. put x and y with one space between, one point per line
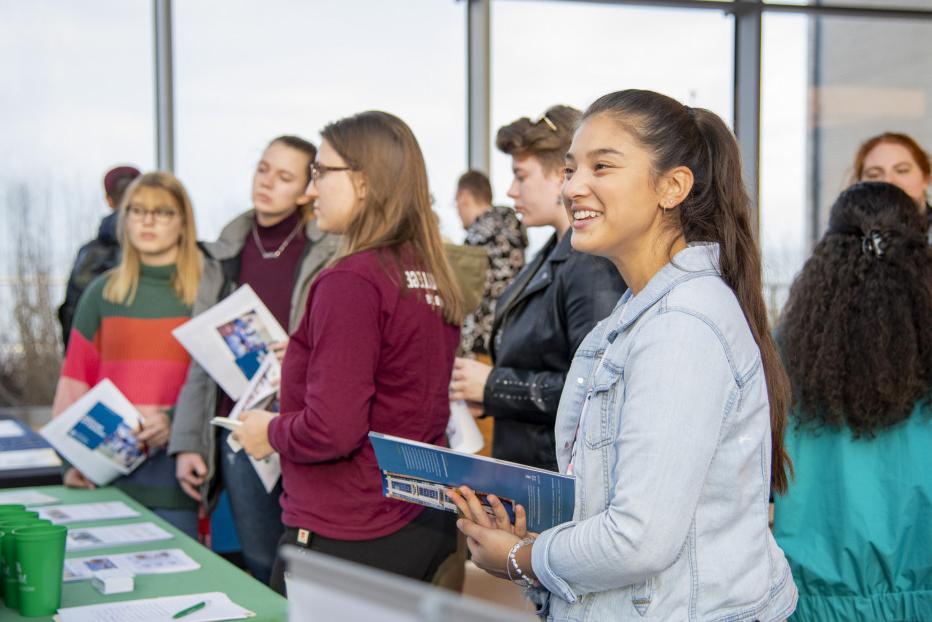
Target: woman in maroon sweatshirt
374 351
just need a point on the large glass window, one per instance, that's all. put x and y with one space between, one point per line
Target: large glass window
547 53
77 99
252 71
828 84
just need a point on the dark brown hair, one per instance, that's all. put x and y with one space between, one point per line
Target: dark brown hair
397 208
856 332
477 184
920 156
548 138
717 209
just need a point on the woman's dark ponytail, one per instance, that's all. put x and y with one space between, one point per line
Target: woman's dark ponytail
717 209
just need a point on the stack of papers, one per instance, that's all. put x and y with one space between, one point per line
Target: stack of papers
163 561
76 512
84 538
218 607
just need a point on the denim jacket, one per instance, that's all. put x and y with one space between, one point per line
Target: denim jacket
667 402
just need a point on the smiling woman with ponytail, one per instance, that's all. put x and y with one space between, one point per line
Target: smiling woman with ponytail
673 414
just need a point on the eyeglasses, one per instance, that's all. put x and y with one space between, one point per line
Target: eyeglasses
162 215
318 170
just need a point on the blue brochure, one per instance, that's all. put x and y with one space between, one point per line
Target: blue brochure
418 473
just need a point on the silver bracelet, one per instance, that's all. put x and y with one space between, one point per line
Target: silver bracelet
512 562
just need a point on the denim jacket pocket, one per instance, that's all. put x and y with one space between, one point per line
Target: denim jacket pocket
641 596
602 406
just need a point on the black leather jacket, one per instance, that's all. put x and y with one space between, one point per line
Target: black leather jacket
540 320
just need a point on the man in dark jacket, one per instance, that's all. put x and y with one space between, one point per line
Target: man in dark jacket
101 253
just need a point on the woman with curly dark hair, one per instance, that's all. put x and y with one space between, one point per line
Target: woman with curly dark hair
857 344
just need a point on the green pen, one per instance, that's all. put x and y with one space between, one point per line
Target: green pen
191 609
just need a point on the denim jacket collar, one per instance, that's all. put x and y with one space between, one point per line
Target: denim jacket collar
697 259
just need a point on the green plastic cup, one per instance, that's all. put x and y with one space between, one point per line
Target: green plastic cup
6 507
8 556
40 560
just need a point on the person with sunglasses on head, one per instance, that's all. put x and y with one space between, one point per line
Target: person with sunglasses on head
277 249
673 413
373 352
543 316
122 332
857 343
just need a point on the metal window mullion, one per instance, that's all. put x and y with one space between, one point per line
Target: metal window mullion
478 84
747 100
164 92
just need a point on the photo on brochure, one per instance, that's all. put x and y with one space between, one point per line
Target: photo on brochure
104 431
247 339
431 494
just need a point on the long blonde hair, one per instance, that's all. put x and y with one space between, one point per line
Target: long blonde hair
397 207
123 280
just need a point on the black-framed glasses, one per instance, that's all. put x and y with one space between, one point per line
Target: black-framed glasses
161 215
318 170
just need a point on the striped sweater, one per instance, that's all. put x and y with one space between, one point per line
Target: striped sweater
133 347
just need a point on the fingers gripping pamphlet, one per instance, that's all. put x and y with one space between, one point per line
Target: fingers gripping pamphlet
418 473
97 434
230 340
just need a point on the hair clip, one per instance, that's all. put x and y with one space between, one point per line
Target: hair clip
545 119
873 243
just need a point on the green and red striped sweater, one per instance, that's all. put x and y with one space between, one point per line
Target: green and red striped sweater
132 345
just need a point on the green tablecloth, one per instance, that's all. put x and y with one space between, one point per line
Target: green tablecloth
215 574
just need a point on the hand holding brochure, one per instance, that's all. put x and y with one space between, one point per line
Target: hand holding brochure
97 434
418 473
231 339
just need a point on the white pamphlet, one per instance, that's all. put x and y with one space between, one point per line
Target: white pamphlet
28 459
10 429
463 433
162 561
84 538
259 393
231 339
219 607
27 497
76 512
97 434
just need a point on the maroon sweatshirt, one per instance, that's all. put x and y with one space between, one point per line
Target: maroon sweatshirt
371 353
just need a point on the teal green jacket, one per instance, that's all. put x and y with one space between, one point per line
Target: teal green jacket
856 524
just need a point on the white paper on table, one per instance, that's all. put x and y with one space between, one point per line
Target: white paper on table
237 328
84 538
263 386
28 459
91 437
75 512
10 429
219 607
162 561
463 433
27 497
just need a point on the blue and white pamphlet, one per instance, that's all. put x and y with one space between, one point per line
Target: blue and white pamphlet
97 434
418 473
